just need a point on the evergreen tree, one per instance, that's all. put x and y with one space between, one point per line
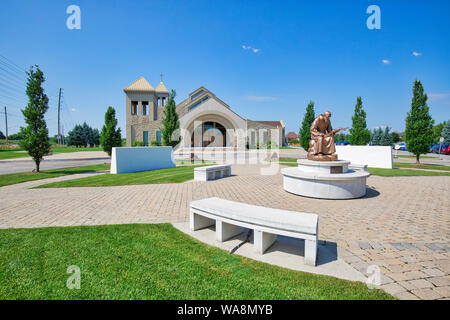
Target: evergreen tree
170 122
395 136
339 137
305 133
419 124
2 136
35 134
110 136
386 138
83 135
446 133
95 137
376 136
75 137
437 131
359 134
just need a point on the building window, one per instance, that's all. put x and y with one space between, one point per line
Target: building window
144 107
158 137
145 138
194 96
134 107
155 112
158 102
198 103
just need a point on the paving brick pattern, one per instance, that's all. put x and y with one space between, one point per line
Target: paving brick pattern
402 225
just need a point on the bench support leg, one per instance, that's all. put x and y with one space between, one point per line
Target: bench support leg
197 221
225 231
263 240
310 252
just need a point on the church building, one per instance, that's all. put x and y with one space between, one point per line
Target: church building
205 120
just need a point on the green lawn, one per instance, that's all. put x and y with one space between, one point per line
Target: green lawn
12 154
13 178
422 166
171 175
289 164
148 261
414 157
404 172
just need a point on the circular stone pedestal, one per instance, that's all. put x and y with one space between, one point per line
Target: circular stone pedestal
325 180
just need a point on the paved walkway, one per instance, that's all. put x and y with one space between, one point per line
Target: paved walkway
402 225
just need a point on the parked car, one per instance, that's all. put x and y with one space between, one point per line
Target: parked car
446 150
342 143
435 148
400 146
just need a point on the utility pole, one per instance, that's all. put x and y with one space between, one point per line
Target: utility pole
6 124
59 107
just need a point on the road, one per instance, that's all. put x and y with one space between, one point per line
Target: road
55 161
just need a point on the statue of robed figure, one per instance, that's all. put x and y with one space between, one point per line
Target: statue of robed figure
321 145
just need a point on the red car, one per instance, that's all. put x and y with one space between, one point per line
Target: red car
446 150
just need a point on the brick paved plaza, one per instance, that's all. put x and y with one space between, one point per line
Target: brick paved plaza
402 225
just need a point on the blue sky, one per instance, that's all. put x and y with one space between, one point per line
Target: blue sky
305 50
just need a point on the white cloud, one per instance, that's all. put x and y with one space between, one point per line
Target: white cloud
386 61
74 110
438 96
416 54
261 98
251 48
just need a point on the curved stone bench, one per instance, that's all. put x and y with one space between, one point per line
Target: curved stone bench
325 180
231 217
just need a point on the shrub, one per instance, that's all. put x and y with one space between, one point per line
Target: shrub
154 143
138 143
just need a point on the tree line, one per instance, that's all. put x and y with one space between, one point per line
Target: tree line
420 132
34 136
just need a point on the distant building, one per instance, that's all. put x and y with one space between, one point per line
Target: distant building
205 120
291 136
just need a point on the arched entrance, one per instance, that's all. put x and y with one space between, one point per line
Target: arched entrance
209 134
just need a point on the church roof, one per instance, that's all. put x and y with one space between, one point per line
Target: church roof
140 85
273 123
161 88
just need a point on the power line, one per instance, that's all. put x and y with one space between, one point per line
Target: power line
11 88
12 63
15 75
16 82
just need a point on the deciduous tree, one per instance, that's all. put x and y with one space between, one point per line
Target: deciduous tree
446 133
110 136
308 119
419 124
35 134
359 134
170 122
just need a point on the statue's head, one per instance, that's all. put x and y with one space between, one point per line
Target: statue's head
327 114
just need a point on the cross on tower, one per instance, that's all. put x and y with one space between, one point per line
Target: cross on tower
161 75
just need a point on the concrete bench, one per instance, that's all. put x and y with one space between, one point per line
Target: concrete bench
357 166
230 219
212 172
